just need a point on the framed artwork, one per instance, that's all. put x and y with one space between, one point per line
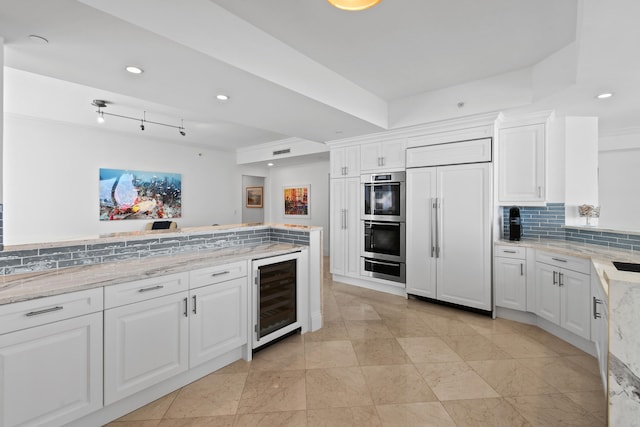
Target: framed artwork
254 197
297 201
130 194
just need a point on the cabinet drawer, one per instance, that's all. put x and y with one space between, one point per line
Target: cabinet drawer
27 314
510 252
581 265
478 150
140 290
217 274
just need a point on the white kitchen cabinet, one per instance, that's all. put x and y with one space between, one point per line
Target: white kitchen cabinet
345 161
345 226
384 155
51 374
600 326
521 167
510 277
145 342
562 294
218 319
449 242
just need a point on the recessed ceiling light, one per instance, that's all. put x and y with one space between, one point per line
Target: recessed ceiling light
222 97
269 164
354 5
38 39
133 69
604 95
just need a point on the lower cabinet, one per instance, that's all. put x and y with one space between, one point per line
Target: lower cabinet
510 277
563 295
600 327
145 343
51 374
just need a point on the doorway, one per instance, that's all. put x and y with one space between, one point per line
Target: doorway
251 213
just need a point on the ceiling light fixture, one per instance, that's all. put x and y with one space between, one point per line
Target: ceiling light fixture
102 104
604 95
133 69
353 5
222 97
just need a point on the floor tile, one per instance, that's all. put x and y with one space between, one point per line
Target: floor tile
220 421
475 347
273 391
428 349
153 411
455 381
446 326
329 354
209 396
359 312
396 384
143 423
409 327
336 387
237 367
280 419
563 374
553 410
586 362
594 402
344 417
495 412
430 414
510 378
520 346
367 329
286 355
330 331
552 342
384 351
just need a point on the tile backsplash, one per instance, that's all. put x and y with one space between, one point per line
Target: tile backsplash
51 258
538 222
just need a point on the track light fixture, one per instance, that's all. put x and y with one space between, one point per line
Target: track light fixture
102 104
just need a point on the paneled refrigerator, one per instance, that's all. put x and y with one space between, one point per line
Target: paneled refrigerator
449 220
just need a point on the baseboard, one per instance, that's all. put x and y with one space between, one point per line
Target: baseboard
395 289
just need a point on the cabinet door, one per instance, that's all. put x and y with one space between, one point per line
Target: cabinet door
393 154
575 295
464 235
338 236
521 168
547 293
353 225
345 162
420 240
511 283
145 343
51 374
218 320
370 155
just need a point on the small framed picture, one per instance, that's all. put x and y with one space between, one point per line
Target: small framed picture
254 197
296 201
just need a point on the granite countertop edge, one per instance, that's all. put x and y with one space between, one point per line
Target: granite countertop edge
28 286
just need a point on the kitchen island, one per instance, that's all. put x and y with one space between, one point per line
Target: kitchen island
156 311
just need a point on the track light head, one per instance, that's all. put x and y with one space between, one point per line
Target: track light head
100 117
141 126
182 132
100 103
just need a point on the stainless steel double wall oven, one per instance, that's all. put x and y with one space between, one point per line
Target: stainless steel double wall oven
383 223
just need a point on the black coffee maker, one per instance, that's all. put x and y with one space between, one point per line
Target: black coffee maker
515 224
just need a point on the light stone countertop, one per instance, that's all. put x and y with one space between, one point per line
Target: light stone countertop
600 256
22 287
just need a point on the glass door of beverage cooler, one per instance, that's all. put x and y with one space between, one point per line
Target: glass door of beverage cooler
277 296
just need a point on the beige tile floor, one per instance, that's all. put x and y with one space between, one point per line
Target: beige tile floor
382 360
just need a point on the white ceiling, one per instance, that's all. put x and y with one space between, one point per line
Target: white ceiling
301 68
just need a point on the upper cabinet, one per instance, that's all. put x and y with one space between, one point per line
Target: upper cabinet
382 156
521 164
345 162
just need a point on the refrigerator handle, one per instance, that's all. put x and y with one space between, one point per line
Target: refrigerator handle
438 205
432 225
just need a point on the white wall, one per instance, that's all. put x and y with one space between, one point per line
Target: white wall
51 179
619 181
252 214
314 174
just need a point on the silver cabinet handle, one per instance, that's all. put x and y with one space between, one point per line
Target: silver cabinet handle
220 273
46 310
555 277
507 251
559 259
195 305
186 307
433 232
560 281
521 269
391 264
438 206
539 191
596 301
151 288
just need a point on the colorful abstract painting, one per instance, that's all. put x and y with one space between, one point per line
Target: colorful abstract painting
129 194
296 201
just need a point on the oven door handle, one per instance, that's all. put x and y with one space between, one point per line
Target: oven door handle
391 224
392 264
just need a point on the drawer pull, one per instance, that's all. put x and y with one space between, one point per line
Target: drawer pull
559 259
220 273
152 288
46 310
509 251
555 277
596 301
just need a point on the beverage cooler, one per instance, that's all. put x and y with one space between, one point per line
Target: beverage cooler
276 298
